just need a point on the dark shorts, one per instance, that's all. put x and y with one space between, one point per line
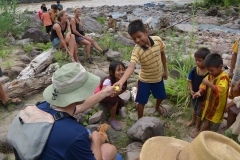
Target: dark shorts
197 103
56 42
78 39
111 101
145 89
48 28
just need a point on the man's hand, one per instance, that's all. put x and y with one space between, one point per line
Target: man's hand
165 75
95 137
108 91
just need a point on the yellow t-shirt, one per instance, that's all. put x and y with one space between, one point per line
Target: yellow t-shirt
215 102
235 47
150 60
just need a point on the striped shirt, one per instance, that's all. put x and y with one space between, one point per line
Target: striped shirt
150 60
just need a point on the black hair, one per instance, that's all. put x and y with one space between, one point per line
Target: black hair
112 68
202 52
213 60
58 1
135 26
54 6
44 9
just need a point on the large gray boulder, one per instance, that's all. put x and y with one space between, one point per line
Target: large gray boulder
36 35
31 17
123 40
91 25
145 128
134 150
125 96
97 117
113 55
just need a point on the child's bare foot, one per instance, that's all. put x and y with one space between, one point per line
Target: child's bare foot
194 134
195 130
188 124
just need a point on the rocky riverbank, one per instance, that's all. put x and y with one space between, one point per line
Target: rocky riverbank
23 60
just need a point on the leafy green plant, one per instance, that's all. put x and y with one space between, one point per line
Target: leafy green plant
89 115
43 46
8 12
28 48
8 64
5 53
101 20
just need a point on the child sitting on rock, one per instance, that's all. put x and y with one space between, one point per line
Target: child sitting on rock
215 88
195 77
116 71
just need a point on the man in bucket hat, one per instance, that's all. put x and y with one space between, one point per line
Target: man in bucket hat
206 146
72 92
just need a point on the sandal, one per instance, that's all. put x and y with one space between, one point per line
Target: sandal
162 110
14 101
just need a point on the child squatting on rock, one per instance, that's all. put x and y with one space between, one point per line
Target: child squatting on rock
195 77
116 71
214 88
149 51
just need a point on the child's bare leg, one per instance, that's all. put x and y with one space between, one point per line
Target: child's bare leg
194 116
159 109
113 112
198 124
205 126
140 110
230 119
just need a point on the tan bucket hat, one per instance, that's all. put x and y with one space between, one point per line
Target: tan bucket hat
206 146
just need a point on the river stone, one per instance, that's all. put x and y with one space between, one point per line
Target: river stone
126 63
97 117
212 11
91 25
114 136
25 59
16 69
235 26
18 52
93 127
186 28
125 96
4 79
133 18
23 42
104 107
113 55
80 118
145 128
123 40
35 52
134 150
100 74
133 116
35 22
36 35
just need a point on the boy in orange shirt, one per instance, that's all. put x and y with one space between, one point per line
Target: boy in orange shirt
46 20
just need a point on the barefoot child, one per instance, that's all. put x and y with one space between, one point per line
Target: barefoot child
116 71
215 88
195 77
149 51
234 91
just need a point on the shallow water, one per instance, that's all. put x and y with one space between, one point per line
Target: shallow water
95 3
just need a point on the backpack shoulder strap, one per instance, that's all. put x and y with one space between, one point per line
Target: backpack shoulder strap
61 115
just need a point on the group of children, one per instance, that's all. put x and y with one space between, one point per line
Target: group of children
49 17
208 82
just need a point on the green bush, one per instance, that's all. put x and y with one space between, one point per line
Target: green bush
101 20
221 2
8 25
